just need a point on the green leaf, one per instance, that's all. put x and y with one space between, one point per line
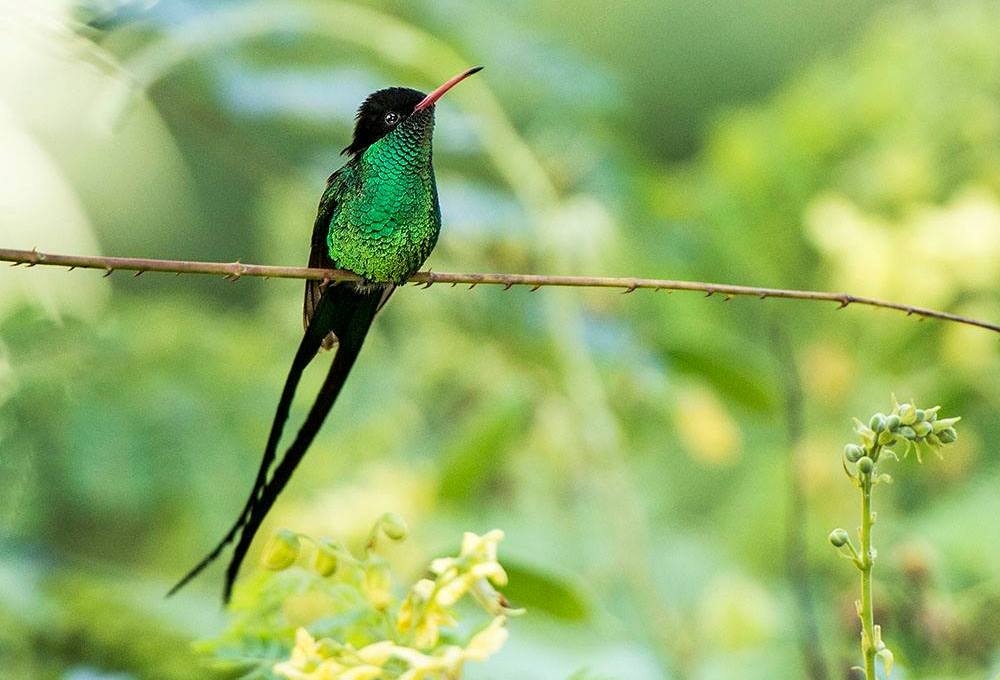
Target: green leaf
538 590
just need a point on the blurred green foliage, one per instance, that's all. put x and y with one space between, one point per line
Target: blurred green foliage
634 449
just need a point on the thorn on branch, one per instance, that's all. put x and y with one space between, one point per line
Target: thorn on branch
31 258
109 271
727 298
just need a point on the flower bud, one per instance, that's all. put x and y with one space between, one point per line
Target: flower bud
908 432
944 423
853 453
877 423
281 551
948 435
326 561
907 414
887 660
921 415
377 584
839 538
892 422
922 428
866 465
394 526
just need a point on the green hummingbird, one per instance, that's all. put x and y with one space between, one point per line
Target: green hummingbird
379 218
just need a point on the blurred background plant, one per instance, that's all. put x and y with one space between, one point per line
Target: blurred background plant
342 617
641 452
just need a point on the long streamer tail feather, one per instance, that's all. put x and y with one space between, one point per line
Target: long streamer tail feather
354 312
315 335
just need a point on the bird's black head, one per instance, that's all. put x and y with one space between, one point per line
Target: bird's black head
379 115
384 110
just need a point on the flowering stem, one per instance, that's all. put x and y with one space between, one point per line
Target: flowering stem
911 427
866 610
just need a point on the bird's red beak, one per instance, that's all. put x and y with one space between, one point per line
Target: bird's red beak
429 100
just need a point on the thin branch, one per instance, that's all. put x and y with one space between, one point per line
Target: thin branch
236 270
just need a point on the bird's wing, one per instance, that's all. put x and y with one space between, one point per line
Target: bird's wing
319 252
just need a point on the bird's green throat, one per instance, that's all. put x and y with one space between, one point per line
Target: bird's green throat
389 219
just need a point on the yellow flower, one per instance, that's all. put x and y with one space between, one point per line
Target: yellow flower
417 654
377 584
426 633
419 595
488 641
306 658
377 653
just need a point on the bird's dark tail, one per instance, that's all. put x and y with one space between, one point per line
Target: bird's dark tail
348 313
355 311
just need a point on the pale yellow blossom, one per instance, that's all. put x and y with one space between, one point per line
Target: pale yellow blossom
488 641
416 653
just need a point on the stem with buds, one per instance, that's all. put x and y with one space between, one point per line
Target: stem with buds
866 609
910 427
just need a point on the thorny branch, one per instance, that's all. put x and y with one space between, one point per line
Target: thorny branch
236 270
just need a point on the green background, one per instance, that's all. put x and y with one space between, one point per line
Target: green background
666 467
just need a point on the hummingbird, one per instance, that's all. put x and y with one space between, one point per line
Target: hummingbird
379 218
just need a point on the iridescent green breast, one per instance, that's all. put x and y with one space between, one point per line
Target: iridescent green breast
387 218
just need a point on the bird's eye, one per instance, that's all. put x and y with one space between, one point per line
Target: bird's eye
391 118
